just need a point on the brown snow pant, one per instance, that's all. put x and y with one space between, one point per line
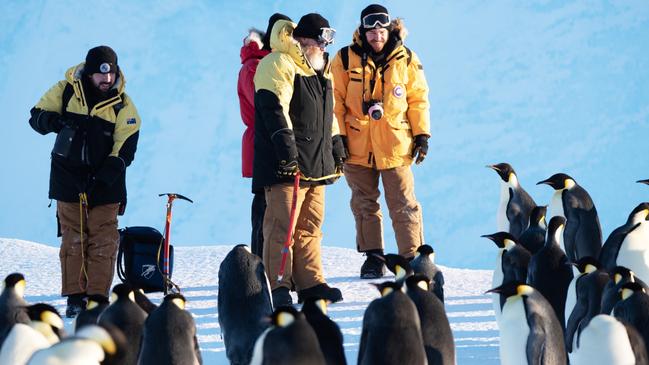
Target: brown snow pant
303 262
88 266
405 211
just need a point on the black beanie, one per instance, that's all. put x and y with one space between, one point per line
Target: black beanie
271 21
100 59
309 26
373 9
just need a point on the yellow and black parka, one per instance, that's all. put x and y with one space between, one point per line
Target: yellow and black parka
104 140
294 117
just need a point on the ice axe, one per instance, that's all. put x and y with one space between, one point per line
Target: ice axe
165 263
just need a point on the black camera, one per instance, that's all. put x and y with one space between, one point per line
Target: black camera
373 108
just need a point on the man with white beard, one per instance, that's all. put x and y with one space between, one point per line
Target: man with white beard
296 134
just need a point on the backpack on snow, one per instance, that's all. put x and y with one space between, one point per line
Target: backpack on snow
140 258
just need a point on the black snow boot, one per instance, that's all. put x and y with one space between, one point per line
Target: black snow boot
281 297
76 303
374 265
320 291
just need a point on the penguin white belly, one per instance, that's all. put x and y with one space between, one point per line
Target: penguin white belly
604 341
75 352
496 281
20 344
571 298
514 332
501 216
556 205
634 252
258 349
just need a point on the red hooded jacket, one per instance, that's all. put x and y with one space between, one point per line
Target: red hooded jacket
251 54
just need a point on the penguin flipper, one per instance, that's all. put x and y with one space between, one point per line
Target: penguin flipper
637 344
197 351
438 285
573 324
570 234
536 340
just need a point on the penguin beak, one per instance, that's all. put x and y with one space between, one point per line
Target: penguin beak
546 181
645 181
493 167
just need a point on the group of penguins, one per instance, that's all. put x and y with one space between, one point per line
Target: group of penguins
407 324
129 329
561 296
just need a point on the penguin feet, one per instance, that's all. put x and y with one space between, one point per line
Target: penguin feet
76 304
374 265
281 297
320 291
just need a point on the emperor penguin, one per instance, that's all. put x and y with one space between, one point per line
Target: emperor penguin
633 252
95 306
515 203
618 276
143 301
399 266
391 332
435 328
128 317
244 302
91 345
589 286
504 242
534 236
611 248
290 340
530 332
329 335
12 304
606 340
44 330
634 309
583 233
582 267
550 272
169 335
424 264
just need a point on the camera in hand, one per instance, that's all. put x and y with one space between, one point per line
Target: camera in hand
373 108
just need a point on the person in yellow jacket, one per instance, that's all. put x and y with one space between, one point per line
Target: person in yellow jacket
382 108
97 127
296 132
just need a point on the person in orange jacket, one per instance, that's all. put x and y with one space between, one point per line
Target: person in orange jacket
381 104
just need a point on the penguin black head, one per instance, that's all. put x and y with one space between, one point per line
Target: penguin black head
559 181
639 213
96 300
122 291
512 288
177 299
17 282
388 287
629 289
645 181
399 265
587 264
619 273
501 239
504 170
425 250
316 302
537 215
284 315
47 314
418 281
246 247
557 223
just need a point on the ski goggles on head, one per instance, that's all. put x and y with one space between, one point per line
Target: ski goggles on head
326 36
375 20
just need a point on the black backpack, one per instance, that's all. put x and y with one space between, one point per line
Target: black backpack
140 258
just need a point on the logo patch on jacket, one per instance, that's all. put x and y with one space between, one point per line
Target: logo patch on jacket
398 91
130 121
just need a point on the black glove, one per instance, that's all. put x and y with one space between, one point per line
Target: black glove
345 146
420 148
61 122
339 163
287 168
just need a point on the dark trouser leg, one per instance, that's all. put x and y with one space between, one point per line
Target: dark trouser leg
257 217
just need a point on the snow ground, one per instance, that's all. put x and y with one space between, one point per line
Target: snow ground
196 271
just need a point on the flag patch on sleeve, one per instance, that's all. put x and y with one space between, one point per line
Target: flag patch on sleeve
130 121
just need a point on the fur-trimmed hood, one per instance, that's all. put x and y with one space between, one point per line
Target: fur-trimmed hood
253 46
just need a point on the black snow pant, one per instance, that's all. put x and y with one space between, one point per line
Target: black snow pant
257 218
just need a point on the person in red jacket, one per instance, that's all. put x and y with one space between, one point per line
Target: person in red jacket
255 46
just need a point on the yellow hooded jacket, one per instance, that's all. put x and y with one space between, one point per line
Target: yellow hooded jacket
103 145
401 85
294 116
